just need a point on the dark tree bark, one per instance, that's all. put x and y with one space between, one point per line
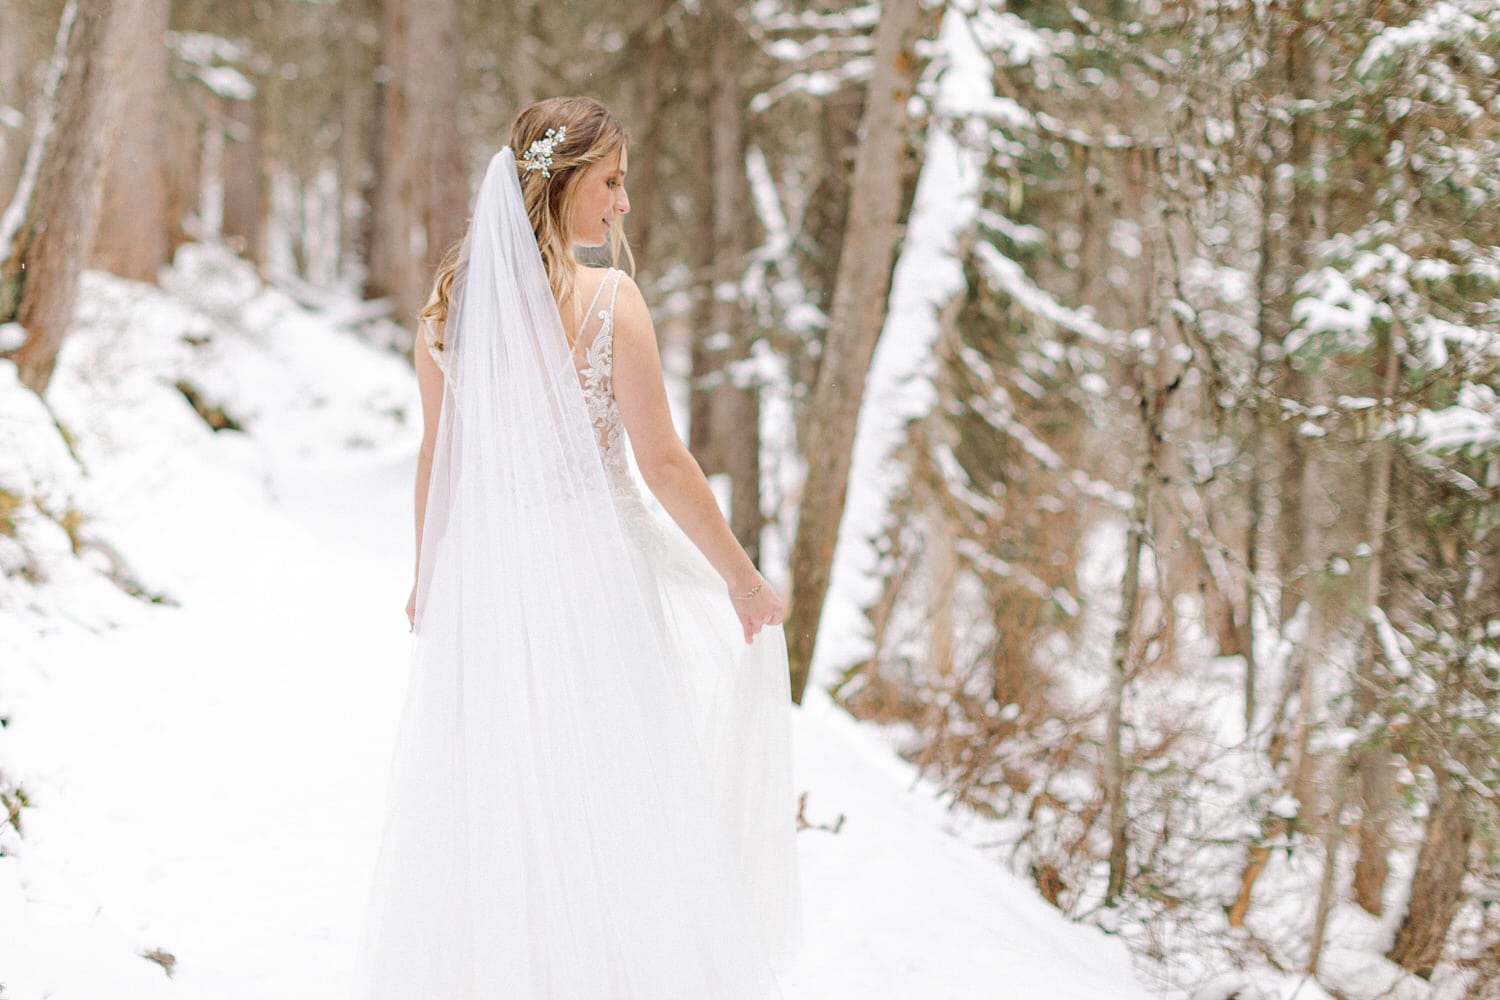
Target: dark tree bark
859 303
132 235
244 185
735 416
39 275
653 42
703 377
828 207
1436 886
421 180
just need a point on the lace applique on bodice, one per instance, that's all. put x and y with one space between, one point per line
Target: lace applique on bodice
595 364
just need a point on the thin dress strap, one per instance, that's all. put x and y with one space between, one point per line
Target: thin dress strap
595 300
614 289
588 314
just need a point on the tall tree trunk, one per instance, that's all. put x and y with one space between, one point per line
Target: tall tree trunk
1293 534
1333 838
132 236
183 162
1373 765
735 410
13 93
1297 546
654 44
243 183
1436 886
421 189
1119 671
828 207
355 140
39 273
859 305
705 376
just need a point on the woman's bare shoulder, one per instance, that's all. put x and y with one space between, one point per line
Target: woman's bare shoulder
632 316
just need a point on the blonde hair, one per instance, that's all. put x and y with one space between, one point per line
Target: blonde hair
593 133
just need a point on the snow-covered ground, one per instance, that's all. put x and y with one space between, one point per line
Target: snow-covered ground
205 772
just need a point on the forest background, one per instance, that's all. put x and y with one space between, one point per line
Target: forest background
1113 384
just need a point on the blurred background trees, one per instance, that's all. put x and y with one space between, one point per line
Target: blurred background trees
1113 384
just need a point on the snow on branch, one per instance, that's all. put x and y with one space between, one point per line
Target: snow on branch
1005 275
1443 23
1471 424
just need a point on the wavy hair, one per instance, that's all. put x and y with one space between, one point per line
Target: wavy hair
592 133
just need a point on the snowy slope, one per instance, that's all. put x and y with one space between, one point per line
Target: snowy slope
205 773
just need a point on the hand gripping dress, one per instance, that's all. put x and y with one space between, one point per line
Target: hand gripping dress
631 841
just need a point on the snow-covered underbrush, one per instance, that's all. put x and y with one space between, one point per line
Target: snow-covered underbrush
170 412
146 380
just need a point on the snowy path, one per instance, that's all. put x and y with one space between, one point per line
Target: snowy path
221 767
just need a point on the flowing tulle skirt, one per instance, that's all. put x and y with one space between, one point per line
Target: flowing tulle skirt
570 831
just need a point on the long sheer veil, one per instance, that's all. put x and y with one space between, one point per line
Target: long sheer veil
550 833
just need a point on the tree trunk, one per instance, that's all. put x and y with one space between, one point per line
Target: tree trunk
14 60
1374 770
243 182
421 187
183 162
1294 538
735 410
355 141
704 377
1119 667
828 207
859 305
1436 886
39 273
1333 838
132 236
653 41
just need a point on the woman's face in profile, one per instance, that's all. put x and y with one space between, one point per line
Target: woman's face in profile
601 201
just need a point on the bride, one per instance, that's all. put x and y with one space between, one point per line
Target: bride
590 797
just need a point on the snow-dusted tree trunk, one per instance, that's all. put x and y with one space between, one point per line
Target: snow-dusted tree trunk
41 259
421 189
132 237
859 304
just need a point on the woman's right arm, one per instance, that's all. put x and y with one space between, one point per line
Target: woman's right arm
430 385
670 470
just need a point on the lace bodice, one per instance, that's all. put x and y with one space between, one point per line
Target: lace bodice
594 358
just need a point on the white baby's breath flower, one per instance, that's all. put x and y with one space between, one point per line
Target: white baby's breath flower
539 153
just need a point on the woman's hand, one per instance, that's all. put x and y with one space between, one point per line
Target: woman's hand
411 608
758 605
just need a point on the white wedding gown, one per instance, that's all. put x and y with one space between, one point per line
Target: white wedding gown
631 840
